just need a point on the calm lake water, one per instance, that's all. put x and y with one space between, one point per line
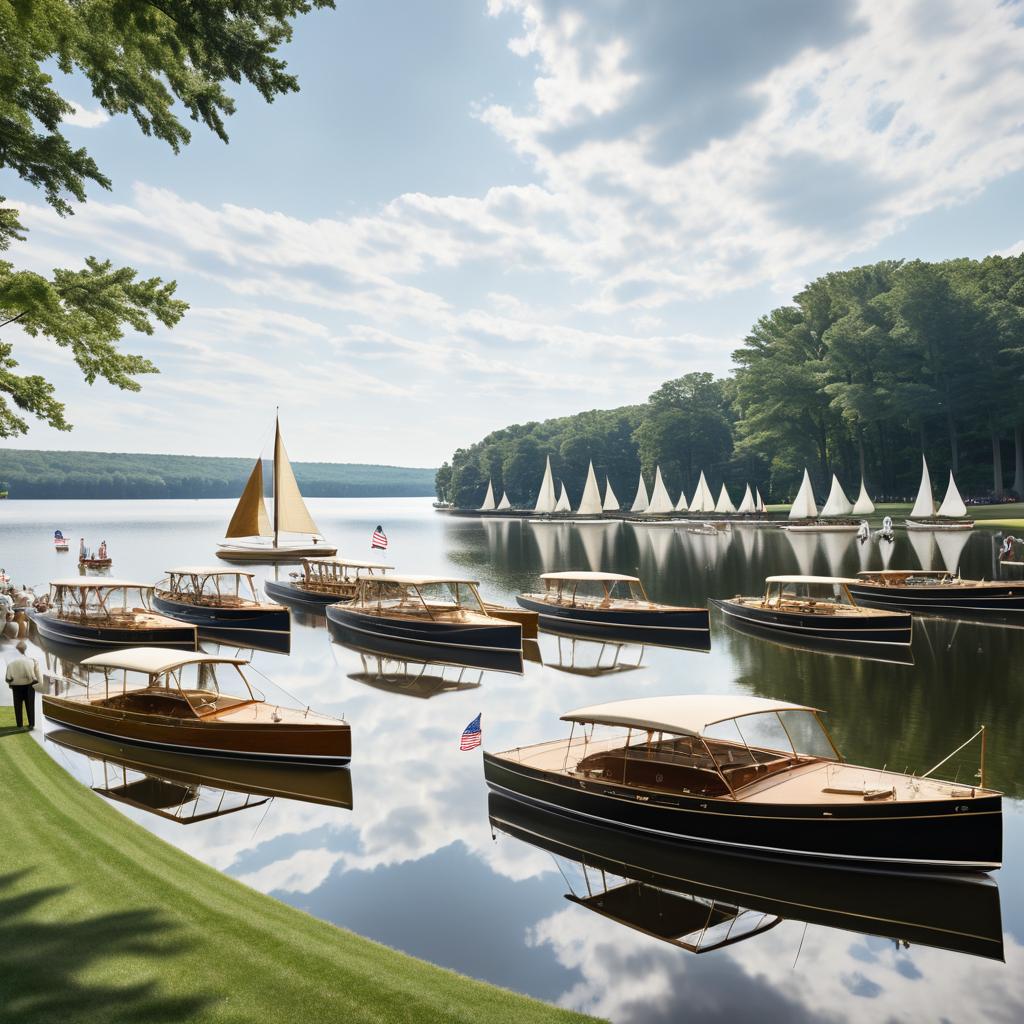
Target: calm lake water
415 863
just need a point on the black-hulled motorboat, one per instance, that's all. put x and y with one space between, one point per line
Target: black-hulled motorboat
934 592
702 899
611 605
323 581
220 602
749 775
96 612
812 608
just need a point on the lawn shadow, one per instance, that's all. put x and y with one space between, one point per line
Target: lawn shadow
44 964
10 730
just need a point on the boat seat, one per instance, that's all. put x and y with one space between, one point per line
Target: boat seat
150 703
656 772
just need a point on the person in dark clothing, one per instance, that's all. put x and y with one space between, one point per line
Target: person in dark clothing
22 675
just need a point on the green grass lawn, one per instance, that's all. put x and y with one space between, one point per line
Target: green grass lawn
100 921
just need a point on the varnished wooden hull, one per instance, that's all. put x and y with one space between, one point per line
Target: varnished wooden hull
895 628
961 913
284 742
51 627
922 835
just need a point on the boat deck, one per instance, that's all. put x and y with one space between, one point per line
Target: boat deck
619 604
137 618
807 606
428 613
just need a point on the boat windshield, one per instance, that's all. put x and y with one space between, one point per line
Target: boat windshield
806 592
600 593
422 598
98 602
211 588
331 573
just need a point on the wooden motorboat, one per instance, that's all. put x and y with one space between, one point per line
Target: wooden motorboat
609 604
818 608
411 616
324 581
776 785
192 787
701 898
194 702
936 592
99 612
219 602
257 536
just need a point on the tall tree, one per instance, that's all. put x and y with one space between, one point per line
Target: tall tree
145 59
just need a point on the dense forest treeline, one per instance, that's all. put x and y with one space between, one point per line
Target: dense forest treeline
864 371
39 474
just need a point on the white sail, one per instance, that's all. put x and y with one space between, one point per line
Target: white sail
724 503
803 505
924 507
290 512
546 495
864 506
504 503
759 504
488 505
250 518
703 501
564 504
590 503
641 501
838 504
611 503
952 506
747 504
661 503
682 505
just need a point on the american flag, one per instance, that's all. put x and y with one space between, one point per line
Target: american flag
471 735
379 539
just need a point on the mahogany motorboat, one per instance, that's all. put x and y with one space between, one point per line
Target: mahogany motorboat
752 775
188 788
219 602
98 612
700 899
818 608
324 581
608 604
194 702
935 592
433 616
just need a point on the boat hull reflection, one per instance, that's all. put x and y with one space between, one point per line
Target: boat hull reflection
957 913
423 679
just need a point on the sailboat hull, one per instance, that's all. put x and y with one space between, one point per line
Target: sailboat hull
269 553
939 525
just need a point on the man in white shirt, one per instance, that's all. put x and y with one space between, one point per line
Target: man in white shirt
22 674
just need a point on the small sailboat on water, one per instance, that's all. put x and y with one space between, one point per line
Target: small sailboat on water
952 513
290 515
835 513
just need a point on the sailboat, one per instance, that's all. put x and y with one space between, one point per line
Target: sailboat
590 503
660 503
488 505
834 513
864 506
724 505
682 505
641 501
291 516
702 499
504 503
546 496
759 502
564 504
611 503
952 512
747 506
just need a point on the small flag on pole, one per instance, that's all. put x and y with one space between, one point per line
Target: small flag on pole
471 736
379 539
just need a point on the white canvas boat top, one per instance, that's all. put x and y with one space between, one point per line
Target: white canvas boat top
611 503
605 577
156 660
641 501
546 495
99 583
924 507
864 506
488 505
747 504
702 498
419 581
803 505
724 503
838 504
687 715
808 579
207 570
660 503
590 503
952 506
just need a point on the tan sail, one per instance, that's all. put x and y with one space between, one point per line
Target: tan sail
290 512
250 518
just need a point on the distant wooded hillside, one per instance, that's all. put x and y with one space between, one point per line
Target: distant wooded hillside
38 474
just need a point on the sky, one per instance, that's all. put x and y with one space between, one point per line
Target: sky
484 212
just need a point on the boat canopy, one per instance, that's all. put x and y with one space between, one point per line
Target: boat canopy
422 581
602 577
687 715
207 570
808 579
99 583
157 660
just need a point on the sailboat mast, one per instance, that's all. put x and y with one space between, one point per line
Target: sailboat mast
277 465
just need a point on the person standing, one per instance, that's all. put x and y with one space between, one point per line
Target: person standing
22 675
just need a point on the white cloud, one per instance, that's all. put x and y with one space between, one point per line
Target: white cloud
82 117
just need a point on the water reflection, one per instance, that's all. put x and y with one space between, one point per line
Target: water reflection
703 900
583 657
421 679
